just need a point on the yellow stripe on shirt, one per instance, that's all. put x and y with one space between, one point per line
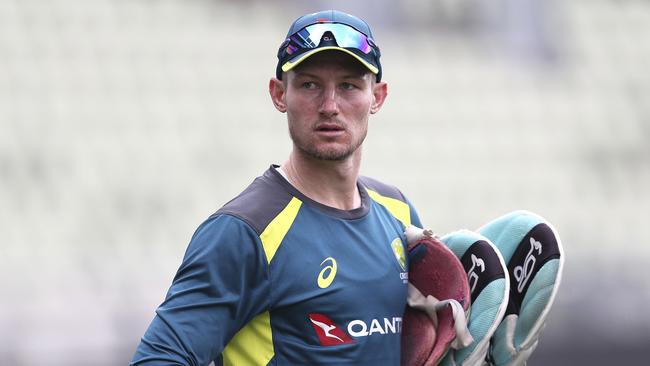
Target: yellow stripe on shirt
276 230
253 344
397 208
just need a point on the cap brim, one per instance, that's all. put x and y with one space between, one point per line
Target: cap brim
293 63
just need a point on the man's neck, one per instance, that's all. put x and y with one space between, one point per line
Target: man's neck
331 183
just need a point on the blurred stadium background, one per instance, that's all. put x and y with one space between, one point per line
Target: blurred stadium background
125 123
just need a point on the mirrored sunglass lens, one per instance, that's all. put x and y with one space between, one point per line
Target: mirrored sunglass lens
350 38
345 36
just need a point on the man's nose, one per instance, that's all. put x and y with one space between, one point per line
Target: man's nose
329 105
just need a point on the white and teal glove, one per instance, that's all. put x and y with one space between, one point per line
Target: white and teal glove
534 256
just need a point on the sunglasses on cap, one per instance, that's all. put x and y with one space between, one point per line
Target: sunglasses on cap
344 35
323 36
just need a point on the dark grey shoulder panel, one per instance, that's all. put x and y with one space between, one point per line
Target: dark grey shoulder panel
381 188
260 202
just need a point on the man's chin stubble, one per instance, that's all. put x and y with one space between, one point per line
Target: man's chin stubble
327 155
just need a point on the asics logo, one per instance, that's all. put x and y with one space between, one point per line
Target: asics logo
522 273
472 276
327 274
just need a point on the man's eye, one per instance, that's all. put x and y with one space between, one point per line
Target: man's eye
348 86
309 85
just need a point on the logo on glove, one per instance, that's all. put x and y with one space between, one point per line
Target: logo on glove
472 275
522 273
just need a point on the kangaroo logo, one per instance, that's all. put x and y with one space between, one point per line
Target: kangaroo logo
472 276
522 273
328 333
326 329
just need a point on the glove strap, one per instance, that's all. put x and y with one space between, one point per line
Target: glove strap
430 305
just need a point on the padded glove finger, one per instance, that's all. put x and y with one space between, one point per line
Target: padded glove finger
533 252
489 288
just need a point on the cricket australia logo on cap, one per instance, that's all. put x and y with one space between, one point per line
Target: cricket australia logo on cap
398 249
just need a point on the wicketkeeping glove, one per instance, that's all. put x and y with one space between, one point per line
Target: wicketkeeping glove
438 298
533 252
489 288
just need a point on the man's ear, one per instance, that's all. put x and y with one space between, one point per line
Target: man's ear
379 93
278 92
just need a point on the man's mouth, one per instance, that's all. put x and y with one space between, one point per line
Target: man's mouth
329 127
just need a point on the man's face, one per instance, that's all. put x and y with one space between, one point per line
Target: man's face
328 99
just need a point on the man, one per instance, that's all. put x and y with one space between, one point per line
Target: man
306 266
